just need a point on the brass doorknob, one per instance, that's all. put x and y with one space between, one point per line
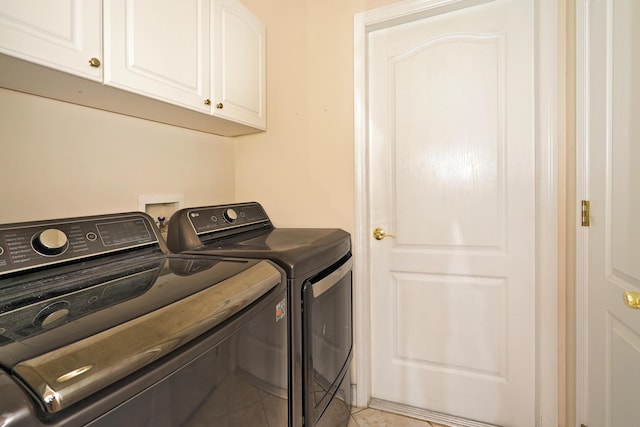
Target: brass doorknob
632 299
380 234
94 62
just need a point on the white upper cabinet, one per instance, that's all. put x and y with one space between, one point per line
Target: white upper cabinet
239 65
160 49
199 64
61 34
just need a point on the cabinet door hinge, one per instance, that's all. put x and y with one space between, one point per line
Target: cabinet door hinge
585 213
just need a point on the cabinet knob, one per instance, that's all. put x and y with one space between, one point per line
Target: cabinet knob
219 106
207 102
94 62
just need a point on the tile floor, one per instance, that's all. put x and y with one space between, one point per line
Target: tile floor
369 417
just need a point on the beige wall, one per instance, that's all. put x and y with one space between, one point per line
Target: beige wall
59 160
301 169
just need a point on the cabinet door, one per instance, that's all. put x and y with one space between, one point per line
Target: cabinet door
239 66
60 34
160 49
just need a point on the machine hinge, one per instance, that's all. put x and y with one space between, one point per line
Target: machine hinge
585 213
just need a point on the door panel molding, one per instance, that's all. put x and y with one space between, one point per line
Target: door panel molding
480 216
481 346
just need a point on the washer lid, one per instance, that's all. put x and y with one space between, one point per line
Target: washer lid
66 375
48 309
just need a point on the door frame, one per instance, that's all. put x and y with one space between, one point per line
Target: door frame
546 181
582 193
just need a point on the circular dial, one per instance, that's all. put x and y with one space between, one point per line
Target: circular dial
230 216
50 242
52 314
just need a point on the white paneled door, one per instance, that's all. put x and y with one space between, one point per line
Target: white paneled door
609 132
452 186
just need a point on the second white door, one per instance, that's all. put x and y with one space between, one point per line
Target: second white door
608 252
452 178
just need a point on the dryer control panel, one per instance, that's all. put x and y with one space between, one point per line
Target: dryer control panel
218 218
191 227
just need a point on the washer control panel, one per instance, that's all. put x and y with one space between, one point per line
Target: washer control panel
219 218
42 243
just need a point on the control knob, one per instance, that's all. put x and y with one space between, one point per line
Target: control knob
52 314
50 242
230 216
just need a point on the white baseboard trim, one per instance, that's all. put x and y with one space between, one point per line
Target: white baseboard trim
424 414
